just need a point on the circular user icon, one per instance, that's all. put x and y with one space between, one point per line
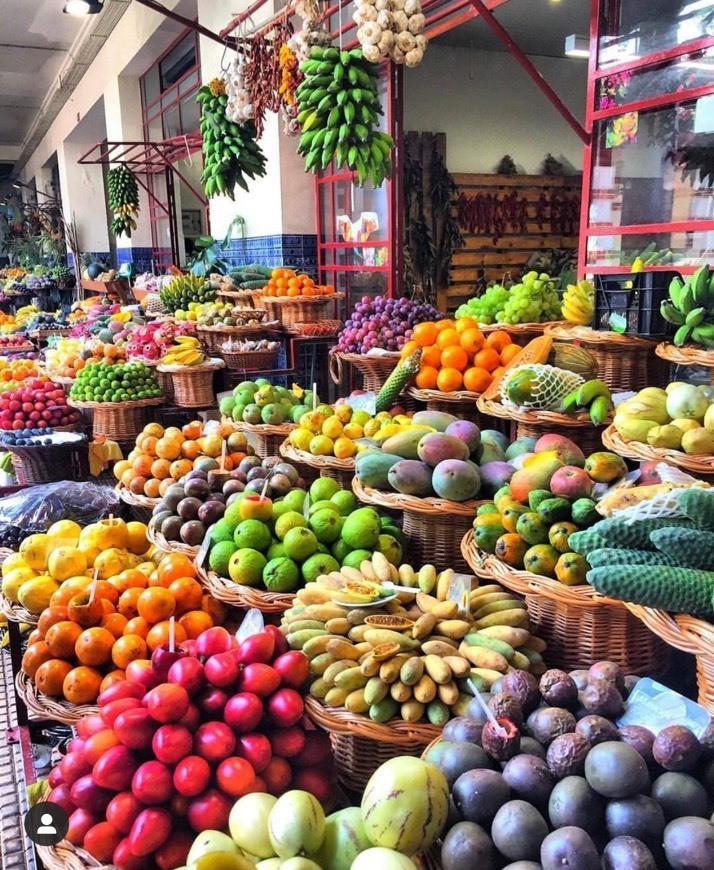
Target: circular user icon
46 823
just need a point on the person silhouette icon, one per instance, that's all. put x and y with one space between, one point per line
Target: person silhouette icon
47 826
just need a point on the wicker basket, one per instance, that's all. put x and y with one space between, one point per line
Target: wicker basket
142 507
434 527
691 355
460 403
625 362
322 329
225 590
360 745
341 470
579 428
701 466
214 336
118 421
521 333
50 708
49 463
248 360
265 438
161 543
17 613
193 385
65 856
579 625
297 309
164 380
374 369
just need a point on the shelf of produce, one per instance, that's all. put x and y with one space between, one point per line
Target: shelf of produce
700 465
690 635
434 527
579 625
341 470
625 362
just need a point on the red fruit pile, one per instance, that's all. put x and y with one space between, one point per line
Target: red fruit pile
173 747
37 405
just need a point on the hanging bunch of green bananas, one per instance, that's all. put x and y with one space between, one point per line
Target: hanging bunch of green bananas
230 150
691 308
338 110
123 200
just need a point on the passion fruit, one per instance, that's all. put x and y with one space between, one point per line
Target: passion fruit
616 770
574 802
602 697
569 847
506 706
558 688
689 843
638 816
502 743
566 755
597 729
639 738
680 794
676 748
386 620
479 794
522 686
530 779
627 853
611 672
518 831
550 722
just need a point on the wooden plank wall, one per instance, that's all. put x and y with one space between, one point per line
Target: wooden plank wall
482 256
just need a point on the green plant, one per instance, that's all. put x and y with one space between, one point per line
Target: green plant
206 257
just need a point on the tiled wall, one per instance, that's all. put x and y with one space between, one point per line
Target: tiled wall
143 258
296 251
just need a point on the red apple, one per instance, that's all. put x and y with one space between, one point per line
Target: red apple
171 743
258 647
167 702
152 783
135 728
80 821
214 741
285 708
243 712
260 679
293 667
209 811
191 775
188 672
222 670
115 769
235 776
122 811
150 831
256 749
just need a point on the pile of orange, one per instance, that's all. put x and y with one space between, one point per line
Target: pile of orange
12 372
82 645
456 355
286 282
163 456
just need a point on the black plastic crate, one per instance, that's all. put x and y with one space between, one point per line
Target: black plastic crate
636 296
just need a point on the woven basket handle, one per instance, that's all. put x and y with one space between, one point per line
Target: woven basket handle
336 368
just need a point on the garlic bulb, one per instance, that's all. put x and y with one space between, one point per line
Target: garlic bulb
239 108
389 28
371 53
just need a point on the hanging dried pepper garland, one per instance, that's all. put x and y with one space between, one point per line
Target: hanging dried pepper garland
290 79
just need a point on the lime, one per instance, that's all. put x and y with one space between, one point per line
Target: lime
296 499
323 489
220 556
275 550
246 567
232 515
340 549
300 543
222 531
289 520
391 548
361 528
315 566
326 525
356 557
278 509
345 501
253 534
322 505
281 575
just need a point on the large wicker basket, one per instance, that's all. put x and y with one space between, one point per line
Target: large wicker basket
341 470
579 625
164 380
49 463
625 362
691 635
374 369
265 438
360 746
65 856
16 612
248 360
298 309
161 543
701 466
193 385
141 506
460 403
578 427
50 708
214 336
691 355
225 590
434 527
118 421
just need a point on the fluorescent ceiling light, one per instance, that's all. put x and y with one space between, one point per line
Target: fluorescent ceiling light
577 46
82 7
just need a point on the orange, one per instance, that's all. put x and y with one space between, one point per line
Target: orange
426 379
137 625
180 467
51 615
34 636
81 685
159 635
128 475
111 678
160 468
147 444
187 594
409 349
107 590
156 604
194 622
107 607
142 466
192 430
431 356
472 340
454 358
120 468
94 646
464 323
498 339
61 638
165 484
115 623
217 610
128 649
424 334
445 323
175 565
35 655
447 338
488 359
449 380
190 449
129 578
169 448
508 352
496 373
50 677
127 602
152 487
275 274
476 379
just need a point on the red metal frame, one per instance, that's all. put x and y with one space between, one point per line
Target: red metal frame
224 39
595 73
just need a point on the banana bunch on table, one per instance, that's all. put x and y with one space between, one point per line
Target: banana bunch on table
579 303
594 395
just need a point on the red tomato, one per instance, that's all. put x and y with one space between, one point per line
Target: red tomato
167 702
101 841
191 775
87 795
122 811
90 725
281 642
115 769
150 831
119 691
152 783
287 742
243 712
317 749
235 776
212 701
112 709
260 679
124 858
73 766
316 780
171 743
209 811
174 851
258 647
222 670
135 728
79 823
55 778
285 708
96 745
189 673
214 741
191 719
61 794
256 749
293 667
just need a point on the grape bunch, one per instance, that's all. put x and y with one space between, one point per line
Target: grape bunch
534 300
382 322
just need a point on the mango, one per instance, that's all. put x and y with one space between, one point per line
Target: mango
438 420
435 447
532 528
604 467
456 480
467 432
541 559
405 443
554 510
511 549
411 477
571 569
535 474
371 469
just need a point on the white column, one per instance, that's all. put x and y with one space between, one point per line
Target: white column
82 189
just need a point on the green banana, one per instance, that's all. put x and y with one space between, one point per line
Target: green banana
569 404
699 282
591 390
695 316
682 335
600 410
672 314
686 299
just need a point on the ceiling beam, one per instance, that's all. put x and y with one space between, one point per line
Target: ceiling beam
187 22
33 47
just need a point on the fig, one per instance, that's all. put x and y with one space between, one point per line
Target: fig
602 697
558 688
676 748
566 755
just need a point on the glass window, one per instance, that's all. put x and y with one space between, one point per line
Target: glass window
190 114
190 83
172 122
178 61
637 28
652 167
151 87
680 249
